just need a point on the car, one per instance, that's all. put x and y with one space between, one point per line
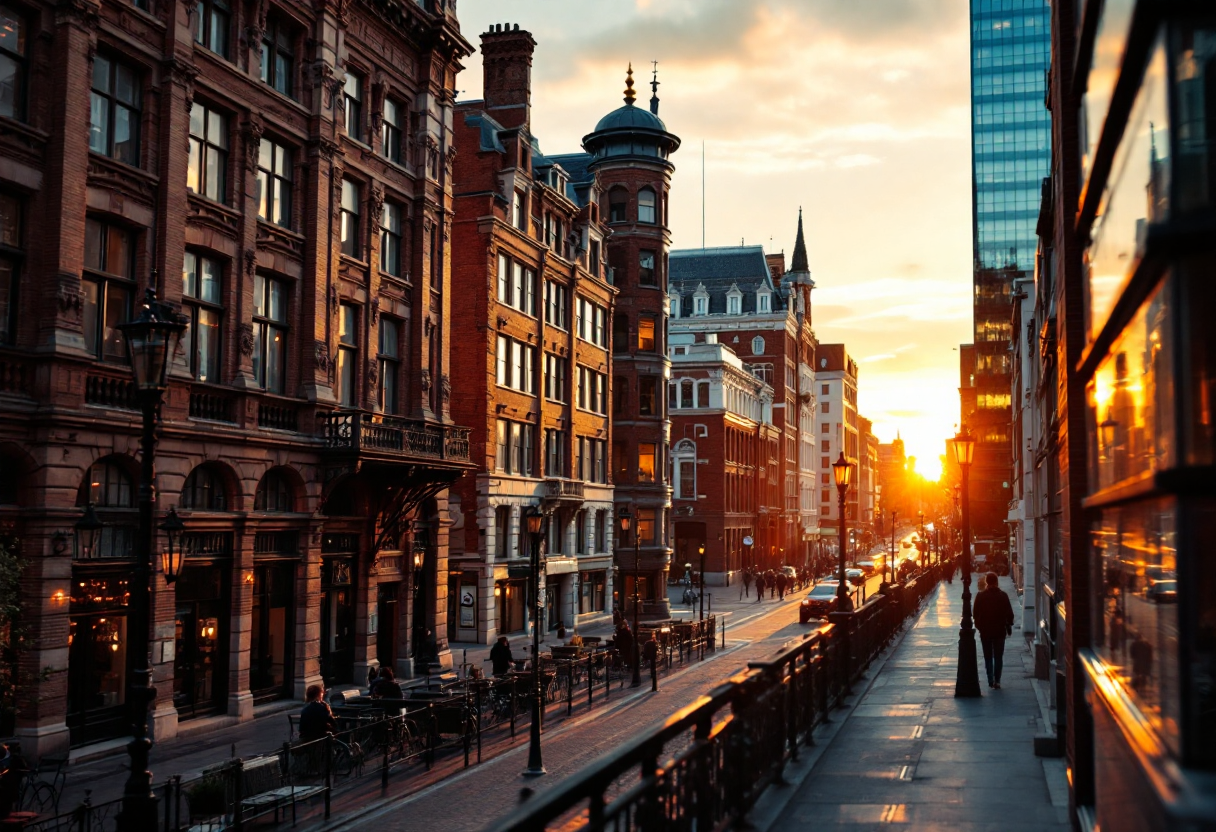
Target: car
867 566
1164 591
789 572
820 601
855 576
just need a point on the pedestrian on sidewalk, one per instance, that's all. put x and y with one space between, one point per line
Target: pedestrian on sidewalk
386 686
316 719
650 651
747 585
994 619
500 657
759 588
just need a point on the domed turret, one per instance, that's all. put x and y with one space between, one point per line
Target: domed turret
631 131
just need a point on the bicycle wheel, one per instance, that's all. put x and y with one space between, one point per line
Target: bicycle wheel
38 797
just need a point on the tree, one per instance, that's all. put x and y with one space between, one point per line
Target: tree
12 633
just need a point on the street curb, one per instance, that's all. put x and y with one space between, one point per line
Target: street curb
373 813
776 798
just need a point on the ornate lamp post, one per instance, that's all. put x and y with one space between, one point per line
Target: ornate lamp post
172 556
843 472
534 523
88 530
967 682
895 574
701 552
151 342
626 521
921 544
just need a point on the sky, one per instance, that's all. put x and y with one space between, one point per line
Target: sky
857 111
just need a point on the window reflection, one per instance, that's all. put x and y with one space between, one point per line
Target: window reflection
1136 626
1136 195
1195 87
1110 42
1131 411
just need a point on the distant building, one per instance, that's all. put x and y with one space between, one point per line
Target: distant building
732 295
723 438
837 431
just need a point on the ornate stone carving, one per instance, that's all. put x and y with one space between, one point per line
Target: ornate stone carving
377 202
424 379
333 299
343 12
81 12
70 299
321 355
251 132
445 387
373 376
375 308
450 158
245 339
251 261
182 73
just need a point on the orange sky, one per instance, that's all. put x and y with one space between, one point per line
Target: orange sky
856 111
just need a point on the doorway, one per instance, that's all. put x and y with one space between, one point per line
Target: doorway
386 628
271 641
97 657
200 665
337 620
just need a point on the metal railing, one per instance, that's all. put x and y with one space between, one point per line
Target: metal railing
361 431
706 767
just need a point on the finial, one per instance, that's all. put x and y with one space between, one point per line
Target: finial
630 95
654 89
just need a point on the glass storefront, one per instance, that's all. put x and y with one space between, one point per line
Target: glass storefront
387 623
97 655
271 637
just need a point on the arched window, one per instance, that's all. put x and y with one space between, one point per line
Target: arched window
686 393
646 206
204 490
106 485
274 493
617 200
757 346
684 464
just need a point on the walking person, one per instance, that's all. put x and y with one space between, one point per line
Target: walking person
747 585
993 616
759 588
500 657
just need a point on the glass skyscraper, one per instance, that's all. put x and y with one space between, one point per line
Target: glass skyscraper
1010 127
1011 154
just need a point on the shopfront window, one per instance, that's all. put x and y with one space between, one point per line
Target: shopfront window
1131 399
97 655
1136 621
200 667
1136 195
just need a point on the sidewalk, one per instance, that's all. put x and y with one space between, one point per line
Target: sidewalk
910 753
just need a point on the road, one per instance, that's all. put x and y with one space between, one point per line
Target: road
470 799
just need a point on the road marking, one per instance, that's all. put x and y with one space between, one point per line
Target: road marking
905 774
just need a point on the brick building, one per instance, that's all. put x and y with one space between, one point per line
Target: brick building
534 367
750 303
280 170
723 446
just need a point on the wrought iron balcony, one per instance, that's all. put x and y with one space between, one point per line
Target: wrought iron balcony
389 437
562 490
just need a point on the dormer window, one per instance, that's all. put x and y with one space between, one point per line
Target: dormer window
700 305
674 305
762 301
734 301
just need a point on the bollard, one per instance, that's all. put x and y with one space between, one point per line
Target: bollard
654 675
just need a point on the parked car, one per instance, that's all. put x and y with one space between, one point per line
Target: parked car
866 566
855 576
820 601
1162 592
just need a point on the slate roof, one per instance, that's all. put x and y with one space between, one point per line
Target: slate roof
489 130
631 117
720 269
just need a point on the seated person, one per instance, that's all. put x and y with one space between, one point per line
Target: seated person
316 719
386 686
500 656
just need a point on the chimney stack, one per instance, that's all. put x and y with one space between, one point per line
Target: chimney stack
506 54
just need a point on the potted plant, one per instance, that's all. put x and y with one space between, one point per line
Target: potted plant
208 797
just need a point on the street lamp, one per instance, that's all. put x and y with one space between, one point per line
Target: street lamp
626 521
88 531
921 544
701 552
843 472
151 343
967 682
534 523
884 566
171 557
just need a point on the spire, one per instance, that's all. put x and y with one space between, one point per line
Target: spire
630 95
799 263
654 89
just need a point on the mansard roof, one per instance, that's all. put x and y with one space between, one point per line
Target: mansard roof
720 269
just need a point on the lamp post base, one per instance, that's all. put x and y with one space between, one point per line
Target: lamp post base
967 682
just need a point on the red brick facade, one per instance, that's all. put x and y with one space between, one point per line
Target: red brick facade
317 371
